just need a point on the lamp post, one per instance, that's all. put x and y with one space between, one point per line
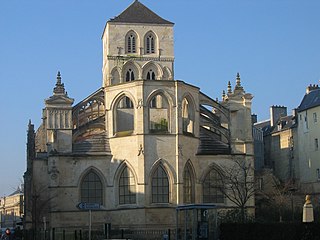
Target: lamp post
292 190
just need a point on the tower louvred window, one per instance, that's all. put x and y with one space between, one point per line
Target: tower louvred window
150 44
131 43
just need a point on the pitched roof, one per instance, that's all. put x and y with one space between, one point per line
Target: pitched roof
310 100
138 13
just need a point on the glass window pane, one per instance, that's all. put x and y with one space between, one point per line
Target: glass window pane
91 189
212 186
127 187
160 186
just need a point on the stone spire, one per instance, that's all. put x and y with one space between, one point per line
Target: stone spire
31 152
229 87
238 83
59 88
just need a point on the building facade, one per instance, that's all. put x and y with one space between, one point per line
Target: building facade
291 144
309 135
11 209
280 138
139 146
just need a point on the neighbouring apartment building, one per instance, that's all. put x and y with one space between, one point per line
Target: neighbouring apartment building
11 209
308 139
142 144
280 143
291 142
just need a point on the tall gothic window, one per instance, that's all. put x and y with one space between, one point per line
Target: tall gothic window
150 43
129 75
124 115
159 114
188 186
127 187
160 186
187 116
131 43
212 186
91 188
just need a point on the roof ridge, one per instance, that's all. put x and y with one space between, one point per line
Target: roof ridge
139 13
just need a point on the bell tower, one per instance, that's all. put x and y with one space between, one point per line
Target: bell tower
137 45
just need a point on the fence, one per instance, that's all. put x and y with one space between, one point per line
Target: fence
83 234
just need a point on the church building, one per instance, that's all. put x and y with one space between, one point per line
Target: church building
139 146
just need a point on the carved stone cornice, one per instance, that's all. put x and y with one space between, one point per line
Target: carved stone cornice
140 58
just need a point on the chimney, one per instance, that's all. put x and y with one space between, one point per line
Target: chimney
312 87
254 118
276 112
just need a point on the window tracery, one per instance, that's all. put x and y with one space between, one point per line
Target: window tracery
150 43
160 186
131 42
212 187
188 185
127 187
91 188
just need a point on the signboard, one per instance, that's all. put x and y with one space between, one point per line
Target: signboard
88 206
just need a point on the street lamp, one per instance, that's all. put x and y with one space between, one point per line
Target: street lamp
292 190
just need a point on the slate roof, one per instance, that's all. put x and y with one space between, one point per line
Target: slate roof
18 191
139 13
310 100
285 123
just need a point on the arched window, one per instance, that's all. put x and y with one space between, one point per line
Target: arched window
160 186
159 114
212 187
187 116
151 75
131 42
129 75
127 187
124 115
91 188
150 43
151 71
188 186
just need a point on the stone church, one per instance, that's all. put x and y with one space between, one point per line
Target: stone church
141 145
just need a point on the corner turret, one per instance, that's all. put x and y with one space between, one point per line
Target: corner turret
57 116
239 103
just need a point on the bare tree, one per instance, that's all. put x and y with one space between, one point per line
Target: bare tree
238 184
280 195
38 205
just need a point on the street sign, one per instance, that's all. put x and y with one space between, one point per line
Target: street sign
88 206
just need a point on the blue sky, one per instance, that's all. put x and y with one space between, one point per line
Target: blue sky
274 44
